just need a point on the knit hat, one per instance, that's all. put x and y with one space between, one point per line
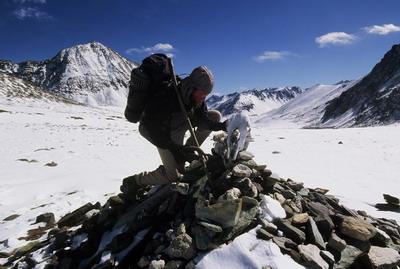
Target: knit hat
201 78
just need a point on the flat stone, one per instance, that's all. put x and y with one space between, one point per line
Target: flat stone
203 237
263 234
383 257
245 155
288 194
321 190
247 188
290 231
381 237
303 192
241 171
47 218
300 219
223 213
268 226
211 227
296 186
11 217
357 228
284 243
312 257
336 243
318 209
75 217
279 197
314 235
250 163
325 225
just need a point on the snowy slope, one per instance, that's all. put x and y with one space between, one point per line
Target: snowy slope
306 110
254 101
91 73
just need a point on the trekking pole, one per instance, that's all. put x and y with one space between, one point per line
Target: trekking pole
178 94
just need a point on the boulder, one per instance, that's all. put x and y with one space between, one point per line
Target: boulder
336 243
223 213
290 231
300 219
357 228
241 171
348 256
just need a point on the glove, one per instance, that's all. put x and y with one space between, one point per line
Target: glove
185 153
224 126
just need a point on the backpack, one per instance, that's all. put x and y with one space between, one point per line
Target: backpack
154 73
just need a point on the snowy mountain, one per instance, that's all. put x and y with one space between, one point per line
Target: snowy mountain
91 73
375 99
255 101
306 109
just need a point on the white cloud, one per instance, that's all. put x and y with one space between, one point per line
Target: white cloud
382 29
157 48
31 12
335 38
272 56
30 1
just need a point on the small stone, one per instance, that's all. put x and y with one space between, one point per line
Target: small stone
173 265
300 219
312 257
11 217
391 199
51 164
268 226
245 155
321 190
263 234
279 197
247 188
348 256
47 218
231 194
290 231
181 247
296 186
241 171
303 192
383 257
160 264
336 243
357 228
288 194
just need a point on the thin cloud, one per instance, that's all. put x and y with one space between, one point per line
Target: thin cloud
272 56
30 1
30 13
157 48
382 29
335 38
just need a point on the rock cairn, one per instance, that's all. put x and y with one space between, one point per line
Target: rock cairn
169 226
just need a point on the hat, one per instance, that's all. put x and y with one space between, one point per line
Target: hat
201 78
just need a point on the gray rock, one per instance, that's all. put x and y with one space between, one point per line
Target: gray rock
173 265
296 186
245 155
391 199
303 192
211 227
11 217
288 194
336 243
241 171
279 197
250 163
247 188
222 213
182 188
231 194
181 247
300 219
348 256
75 217
357 228
312 257
263 234
314 235
47 218
268 226
203 237
160 264
143 262
290 231
383 257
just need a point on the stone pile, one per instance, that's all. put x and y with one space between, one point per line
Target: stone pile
169 226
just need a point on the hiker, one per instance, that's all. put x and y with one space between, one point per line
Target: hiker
164 125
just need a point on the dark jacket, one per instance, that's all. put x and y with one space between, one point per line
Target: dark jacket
160 108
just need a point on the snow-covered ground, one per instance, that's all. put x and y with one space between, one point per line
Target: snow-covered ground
94 148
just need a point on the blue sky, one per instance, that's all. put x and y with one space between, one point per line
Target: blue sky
246 44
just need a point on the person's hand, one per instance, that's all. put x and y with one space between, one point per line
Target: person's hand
186 153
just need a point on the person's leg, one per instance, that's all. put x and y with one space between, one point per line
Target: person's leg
202 131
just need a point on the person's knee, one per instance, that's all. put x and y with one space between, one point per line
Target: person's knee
214 115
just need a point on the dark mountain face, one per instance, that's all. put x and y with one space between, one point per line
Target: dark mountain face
83 72
254 101
376 98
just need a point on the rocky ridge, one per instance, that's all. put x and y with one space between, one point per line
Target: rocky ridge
172 226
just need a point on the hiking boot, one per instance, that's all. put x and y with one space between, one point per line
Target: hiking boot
130 186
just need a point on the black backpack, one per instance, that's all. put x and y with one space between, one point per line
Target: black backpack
154 73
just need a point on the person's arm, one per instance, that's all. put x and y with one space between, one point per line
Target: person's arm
201 115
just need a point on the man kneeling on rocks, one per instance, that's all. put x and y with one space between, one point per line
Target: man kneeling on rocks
164 125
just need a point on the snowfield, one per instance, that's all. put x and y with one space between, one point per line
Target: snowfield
94 148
